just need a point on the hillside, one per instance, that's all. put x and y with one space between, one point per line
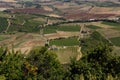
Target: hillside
59 40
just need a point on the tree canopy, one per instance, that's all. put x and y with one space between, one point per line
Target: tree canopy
42 64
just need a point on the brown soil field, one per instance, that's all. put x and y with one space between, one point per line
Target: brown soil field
87 12
87 16
25 42
30 10
110 33
62 6
106 10
46 8
61 34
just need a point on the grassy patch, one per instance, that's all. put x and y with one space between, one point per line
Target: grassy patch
65 42
53 29
65 54
48 31
115 24
116 41
3 14
93 27
69 28
3 38
30 25
3 24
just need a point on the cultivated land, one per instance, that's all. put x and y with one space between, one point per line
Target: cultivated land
9 0
25 28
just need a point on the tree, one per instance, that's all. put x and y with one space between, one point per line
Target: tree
95 65
48 66
11 64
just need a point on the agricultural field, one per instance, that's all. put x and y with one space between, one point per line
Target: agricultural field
24 22
2 14
78 39
3 24
115 24
88 10
115 41
66 54
68 28
9 0
72 41
93 27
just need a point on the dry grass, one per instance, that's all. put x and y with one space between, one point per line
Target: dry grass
47 8
61 34
54 15
65 54
106 10
110 33
101 25
9 1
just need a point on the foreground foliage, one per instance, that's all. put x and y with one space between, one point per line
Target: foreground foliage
41 64
38 65
99 64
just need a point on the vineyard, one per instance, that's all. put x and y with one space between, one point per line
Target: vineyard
24 23
53 29
3 24
65 41
93 27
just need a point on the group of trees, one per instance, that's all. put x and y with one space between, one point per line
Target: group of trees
98 64
89 43
42 64
39 64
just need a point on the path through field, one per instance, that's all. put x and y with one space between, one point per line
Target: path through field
79 54
9 23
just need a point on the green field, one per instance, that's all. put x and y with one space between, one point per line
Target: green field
65 42
53 29
69 28
3 24
65 54
29 25
93 27
115 24
48 31
116 41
